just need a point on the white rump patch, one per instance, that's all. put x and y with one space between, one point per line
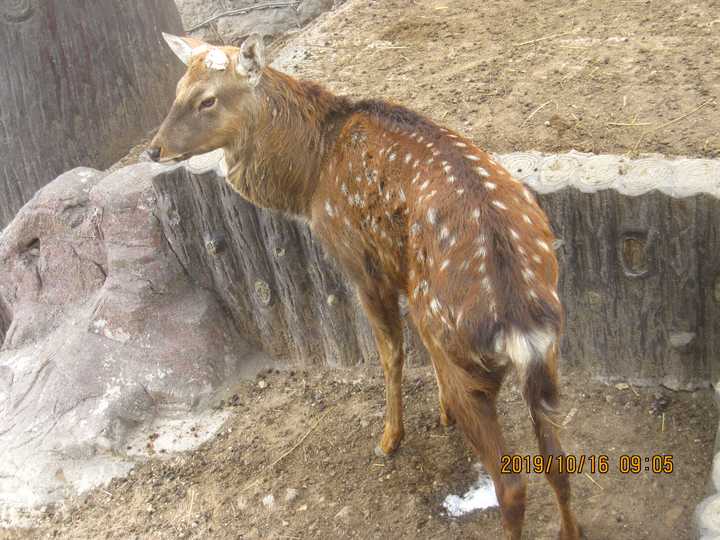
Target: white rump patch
522 348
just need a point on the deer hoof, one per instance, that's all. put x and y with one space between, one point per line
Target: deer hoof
576 534
446 420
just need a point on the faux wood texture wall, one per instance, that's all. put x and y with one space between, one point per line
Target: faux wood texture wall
81 81
638 279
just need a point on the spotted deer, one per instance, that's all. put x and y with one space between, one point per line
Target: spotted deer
406 207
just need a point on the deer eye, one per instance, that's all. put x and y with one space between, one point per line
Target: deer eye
207 103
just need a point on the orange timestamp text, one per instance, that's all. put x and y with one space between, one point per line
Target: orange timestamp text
582 463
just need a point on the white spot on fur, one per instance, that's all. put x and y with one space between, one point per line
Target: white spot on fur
527 219
432 216
416 178
543 245
472 157
476 213
451 179
408 158
555 296
514 234
481 252
486 284
537 259
435 306
329 209
445 264
528 195
460 191
482 268
424 185
482 172
499 204
392 156
490 185
401 194
444 233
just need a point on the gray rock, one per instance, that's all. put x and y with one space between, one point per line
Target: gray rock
107 341
233 29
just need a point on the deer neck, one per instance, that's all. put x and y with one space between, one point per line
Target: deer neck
276 159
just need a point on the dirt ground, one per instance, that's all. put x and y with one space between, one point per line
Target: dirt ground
549 75
314 433
598 76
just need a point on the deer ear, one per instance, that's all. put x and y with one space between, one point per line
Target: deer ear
184 47
251 58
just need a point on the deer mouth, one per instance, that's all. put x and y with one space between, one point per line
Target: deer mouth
175 159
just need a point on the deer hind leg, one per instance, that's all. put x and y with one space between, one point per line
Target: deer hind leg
382 309
446 418
548 440
470 393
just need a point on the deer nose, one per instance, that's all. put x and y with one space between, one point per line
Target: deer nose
154 153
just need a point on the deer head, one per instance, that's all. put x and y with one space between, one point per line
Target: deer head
215 99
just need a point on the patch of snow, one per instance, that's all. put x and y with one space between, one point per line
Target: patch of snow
479 497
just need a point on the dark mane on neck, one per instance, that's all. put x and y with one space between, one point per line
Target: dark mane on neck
396 115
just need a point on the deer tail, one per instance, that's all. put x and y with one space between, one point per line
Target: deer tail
534 355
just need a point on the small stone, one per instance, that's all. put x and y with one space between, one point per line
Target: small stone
269 501
622 386
672 515
149 508
302 508
262 384
344 513
291 494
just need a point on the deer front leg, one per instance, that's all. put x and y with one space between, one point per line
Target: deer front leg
381 307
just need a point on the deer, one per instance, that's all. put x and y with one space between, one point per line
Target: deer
408 207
